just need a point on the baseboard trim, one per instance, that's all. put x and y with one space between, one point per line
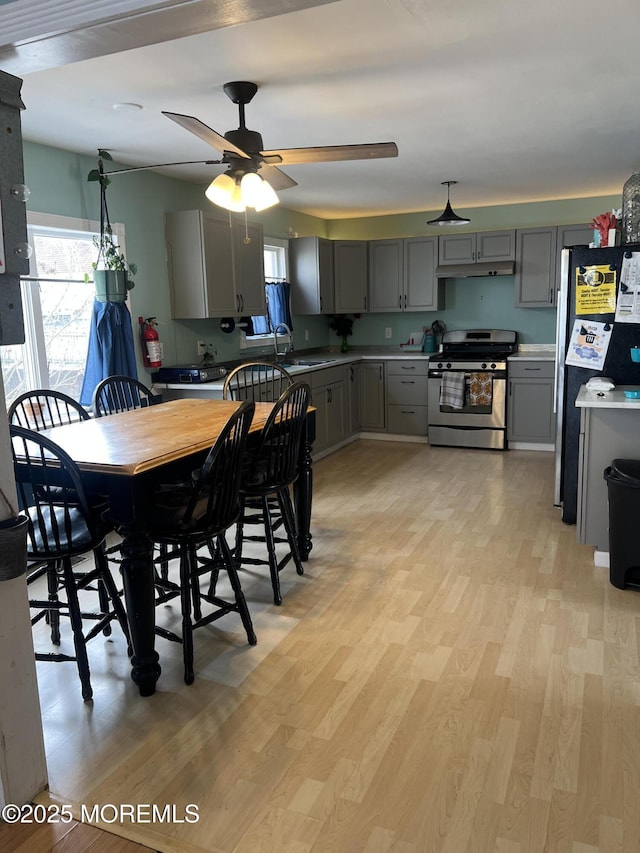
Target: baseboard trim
530 445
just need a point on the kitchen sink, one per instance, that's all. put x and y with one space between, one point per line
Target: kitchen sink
308 362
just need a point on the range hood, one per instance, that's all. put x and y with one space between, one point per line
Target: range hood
475 270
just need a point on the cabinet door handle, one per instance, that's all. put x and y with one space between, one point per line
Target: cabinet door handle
532 368
407 382
405 301
405 367
510 387
380 372
321 304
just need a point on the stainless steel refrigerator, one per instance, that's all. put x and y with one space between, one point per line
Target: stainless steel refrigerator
617 366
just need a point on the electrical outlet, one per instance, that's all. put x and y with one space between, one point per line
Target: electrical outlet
306 334
201 348
387 332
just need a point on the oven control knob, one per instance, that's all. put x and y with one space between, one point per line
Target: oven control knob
440 365
493 366
448 365
483 365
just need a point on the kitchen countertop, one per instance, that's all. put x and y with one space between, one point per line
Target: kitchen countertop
613 399
534 352
327 359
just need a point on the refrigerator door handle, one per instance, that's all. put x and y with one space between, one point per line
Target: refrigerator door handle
562 308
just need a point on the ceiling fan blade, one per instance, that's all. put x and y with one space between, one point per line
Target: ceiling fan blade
276 177
328 153
195 126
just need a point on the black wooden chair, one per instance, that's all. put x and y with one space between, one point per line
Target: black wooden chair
43 409
122 394
187 517
39 410
270 469
259 381
64 525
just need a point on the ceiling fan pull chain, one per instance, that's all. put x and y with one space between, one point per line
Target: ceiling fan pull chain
247 239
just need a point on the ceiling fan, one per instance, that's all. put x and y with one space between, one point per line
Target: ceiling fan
253 173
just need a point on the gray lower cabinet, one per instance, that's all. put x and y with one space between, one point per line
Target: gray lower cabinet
530 415
329 388
605 434
407 397
372 395
354 398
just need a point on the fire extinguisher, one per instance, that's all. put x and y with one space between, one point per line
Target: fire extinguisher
152 349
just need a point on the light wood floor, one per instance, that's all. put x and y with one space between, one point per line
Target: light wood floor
452 674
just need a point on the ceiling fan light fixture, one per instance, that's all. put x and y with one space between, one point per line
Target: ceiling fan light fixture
448 217
257 193
225 192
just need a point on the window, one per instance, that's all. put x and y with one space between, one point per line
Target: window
275 272
56 308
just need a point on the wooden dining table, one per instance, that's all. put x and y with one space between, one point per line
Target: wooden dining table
125 456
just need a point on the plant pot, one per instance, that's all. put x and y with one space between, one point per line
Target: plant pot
13 547
111 285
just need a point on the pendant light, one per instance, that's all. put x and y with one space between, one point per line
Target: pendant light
448 217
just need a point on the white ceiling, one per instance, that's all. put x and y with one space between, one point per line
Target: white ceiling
518 101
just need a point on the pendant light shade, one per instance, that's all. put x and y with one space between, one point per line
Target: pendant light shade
448 217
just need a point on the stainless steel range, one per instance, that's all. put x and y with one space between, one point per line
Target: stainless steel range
467 388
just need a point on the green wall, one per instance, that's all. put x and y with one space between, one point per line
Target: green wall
57 180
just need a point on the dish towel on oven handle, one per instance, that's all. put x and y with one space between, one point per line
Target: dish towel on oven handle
480 389
452 390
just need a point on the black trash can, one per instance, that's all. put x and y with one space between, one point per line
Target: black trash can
623 485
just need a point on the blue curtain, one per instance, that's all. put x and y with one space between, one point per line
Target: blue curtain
111 347
278 310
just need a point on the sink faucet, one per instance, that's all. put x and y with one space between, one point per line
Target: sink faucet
288 346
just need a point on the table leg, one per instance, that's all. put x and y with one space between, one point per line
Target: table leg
302 495
137 576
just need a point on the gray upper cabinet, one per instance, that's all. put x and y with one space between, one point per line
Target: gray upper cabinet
536 267
248 268
350 263
386 275
402 275
422 291
311 275
480 247
568 236
212 271
538 261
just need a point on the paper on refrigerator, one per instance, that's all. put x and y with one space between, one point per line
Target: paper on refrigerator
628 304
588 344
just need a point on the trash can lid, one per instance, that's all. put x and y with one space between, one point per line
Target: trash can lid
626 471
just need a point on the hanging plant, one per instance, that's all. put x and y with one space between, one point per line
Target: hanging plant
113 272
